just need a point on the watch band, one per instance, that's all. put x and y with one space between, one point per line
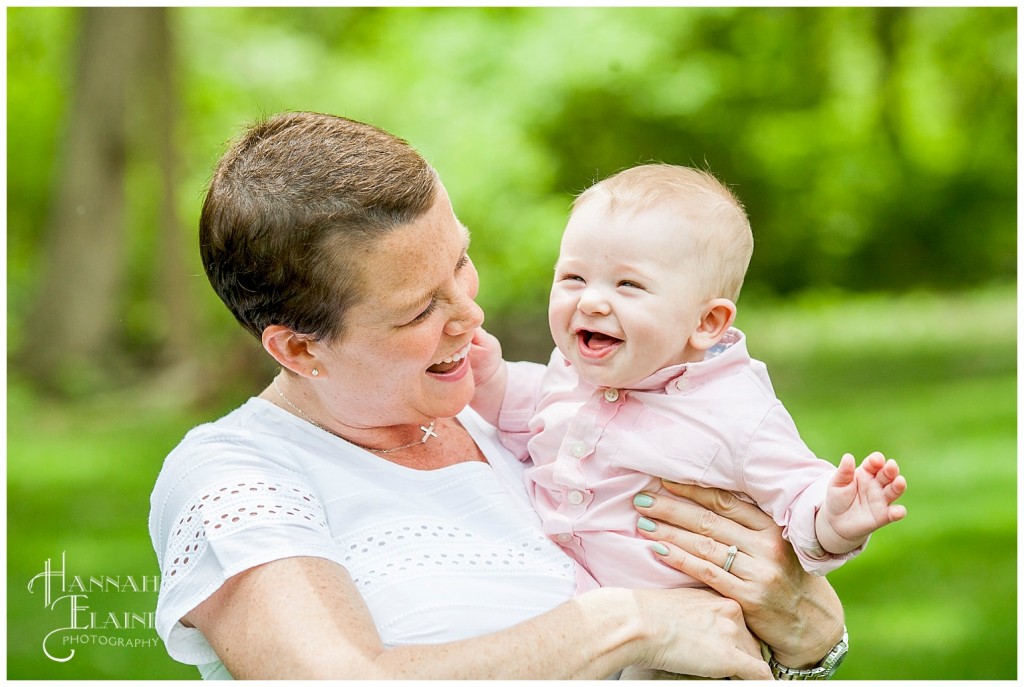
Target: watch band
823 671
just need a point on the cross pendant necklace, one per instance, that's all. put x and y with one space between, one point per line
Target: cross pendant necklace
428 431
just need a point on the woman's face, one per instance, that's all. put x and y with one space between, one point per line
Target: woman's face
417 312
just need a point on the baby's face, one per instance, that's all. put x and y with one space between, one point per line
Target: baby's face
625 301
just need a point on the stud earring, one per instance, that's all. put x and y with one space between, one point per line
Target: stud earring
315 372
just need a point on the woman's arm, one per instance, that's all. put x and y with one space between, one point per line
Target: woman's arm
797 614
303 618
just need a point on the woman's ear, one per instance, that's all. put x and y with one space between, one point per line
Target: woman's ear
290 349
719 314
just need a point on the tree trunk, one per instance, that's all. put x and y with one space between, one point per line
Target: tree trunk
173 289
75 318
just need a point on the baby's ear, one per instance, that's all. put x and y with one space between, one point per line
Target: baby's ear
719 314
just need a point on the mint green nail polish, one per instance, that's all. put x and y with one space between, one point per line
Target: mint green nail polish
643 500
646 525
660 548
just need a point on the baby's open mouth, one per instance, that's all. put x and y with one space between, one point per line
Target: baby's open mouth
451 362
596 341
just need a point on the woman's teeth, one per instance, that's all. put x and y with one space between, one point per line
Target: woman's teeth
456 356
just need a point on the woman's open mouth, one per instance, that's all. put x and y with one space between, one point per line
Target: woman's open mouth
596 345
451 363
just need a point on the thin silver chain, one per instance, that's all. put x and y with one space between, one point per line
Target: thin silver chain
428 431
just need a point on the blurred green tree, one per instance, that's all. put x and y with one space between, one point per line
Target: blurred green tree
874 147
122 103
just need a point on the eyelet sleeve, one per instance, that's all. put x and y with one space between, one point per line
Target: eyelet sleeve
226 528
220 512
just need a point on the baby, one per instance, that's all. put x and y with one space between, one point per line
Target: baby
650 378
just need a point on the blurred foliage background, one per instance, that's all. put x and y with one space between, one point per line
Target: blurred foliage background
874 148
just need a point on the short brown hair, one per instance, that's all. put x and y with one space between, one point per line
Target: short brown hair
292 203
724 242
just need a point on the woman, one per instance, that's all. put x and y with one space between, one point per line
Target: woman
355 519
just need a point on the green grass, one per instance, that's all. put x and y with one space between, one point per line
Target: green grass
78 482
930 381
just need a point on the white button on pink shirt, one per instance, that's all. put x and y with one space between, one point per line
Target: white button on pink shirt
715 422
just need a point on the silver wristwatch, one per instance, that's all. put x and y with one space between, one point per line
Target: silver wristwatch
822 671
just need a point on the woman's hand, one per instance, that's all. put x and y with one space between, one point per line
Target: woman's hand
797 614
697 632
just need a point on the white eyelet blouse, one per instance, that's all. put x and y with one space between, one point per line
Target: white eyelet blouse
438 555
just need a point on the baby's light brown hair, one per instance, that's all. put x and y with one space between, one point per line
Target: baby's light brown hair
709 215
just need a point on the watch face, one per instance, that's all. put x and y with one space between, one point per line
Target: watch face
836 657
822 671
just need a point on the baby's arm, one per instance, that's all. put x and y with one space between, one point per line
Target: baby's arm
858 502
490 375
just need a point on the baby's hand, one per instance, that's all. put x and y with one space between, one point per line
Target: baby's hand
484 356
490 375
859 501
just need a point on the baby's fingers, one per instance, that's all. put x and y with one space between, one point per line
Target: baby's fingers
895 489
484 339
846 472
896 513
891 469
873 464
889 473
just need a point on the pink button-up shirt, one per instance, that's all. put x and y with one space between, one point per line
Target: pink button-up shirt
715 423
